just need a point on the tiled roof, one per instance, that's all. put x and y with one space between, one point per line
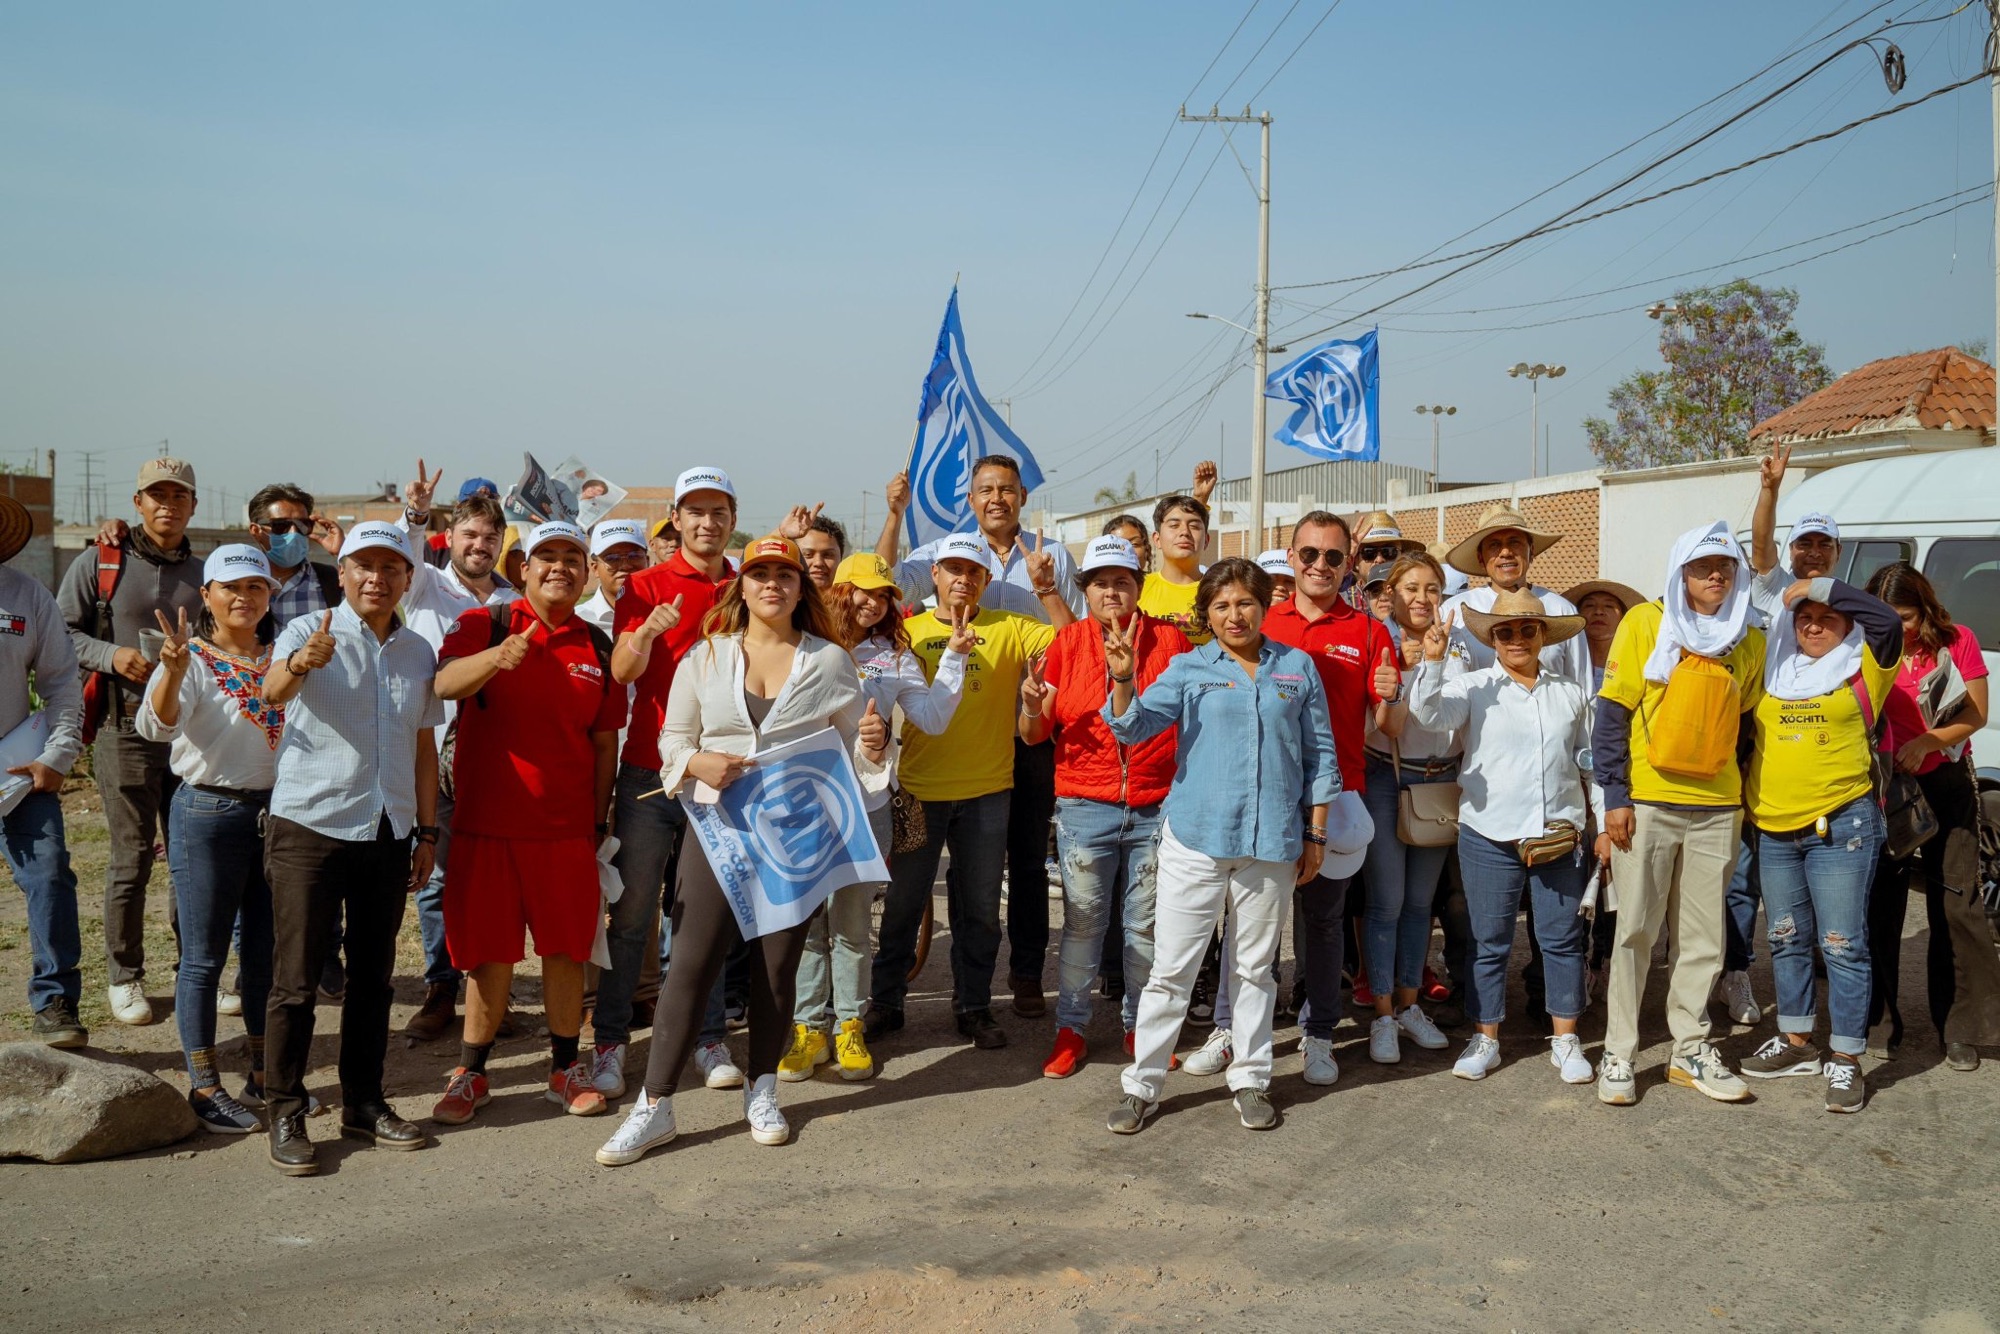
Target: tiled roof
1941 390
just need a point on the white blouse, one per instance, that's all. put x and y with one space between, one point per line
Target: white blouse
1526 751
1419 742
894 678
227 735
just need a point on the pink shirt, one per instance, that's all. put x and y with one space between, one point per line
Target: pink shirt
1904 721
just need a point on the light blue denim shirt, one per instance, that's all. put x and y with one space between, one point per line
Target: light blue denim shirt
348 755
1251 756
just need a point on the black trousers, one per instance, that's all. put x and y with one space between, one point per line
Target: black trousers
312 877
1030 810
705 932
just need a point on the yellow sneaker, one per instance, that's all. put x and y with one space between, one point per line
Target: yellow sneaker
852 1050
808 1050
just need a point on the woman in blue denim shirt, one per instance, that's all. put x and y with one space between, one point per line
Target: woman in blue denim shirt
1246 820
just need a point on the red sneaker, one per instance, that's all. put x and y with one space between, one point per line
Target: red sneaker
464 1093
1069 1054
571 1090
1364 995
1131 1049
1434 990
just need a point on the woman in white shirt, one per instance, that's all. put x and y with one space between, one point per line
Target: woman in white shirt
867 619
765 673
1402 880
1522 813
207 698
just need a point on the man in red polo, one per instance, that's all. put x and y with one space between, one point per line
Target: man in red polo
1355 659
535 753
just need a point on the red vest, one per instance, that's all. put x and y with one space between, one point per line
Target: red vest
1089 761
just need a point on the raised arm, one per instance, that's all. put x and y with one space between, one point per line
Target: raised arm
898 495
1764 515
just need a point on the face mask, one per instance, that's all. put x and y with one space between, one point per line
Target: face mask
288 550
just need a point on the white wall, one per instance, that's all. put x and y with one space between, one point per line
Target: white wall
1640 514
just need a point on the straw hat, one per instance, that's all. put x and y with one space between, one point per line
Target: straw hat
1628 596
1379 528
15 527
1465 556
1521 605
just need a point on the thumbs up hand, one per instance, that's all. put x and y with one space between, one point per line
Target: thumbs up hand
1388 679
874 733
318 649
511 652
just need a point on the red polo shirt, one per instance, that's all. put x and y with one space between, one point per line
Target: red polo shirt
649 588
1345 645
525 765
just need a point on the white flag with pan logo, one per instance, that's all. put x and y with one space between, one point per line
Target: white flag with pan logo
786 834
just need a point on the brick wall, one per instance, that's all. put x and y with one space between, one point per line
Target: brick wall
1572 513
38 495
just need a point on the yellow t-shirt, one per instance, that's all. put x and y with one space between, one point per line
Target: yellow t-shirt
975 754
1812 754
1174 604
1625 683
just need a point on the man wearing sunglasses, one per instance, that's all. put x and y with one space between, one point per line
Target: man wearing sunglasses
1355 660
283 523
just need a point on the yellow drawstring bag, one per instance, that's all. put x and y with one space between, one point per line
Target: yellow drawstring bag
1692 733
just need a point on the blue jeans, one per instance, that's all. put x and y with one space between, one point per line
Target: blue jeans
976 832
1402 883
1816 890
1108 852
833 969
1739 918
40 861
430 907
1495 878
649 839
216 854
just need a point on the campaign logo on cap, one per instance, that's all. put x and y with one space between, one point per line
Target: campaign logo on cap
865 569
1816 522
703 479
1109 553
166 470
776 547
1274 563
372 535
961 546
617 533
555 530
238 560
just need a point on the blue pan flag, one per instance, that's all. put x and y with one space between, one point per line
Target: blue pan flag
955 427
1334 390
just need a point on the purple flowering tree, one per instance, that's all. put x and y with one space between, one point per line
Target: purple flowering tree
1732 359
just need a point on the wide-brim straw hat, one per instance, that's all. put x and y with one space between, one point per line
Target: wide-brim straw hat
1628 596
1379 528
1521 605
1465 556
16 527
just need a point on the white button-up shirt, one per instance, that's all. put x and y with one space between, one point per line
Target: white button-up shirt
1526 751
1571 657
438 597
1012 588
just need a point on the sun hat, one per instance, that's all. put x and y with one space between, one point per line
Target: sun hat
237 560
1108 553
375 534
1465 555
776 547
555 530
1628 596
865 569
617 533
1521 605
16 527
1378 528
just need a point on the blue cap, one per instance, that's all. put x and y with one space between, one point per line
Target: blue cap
474 485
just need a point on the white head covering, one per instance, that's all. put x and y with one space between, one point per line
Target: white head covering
1790 674
1686 629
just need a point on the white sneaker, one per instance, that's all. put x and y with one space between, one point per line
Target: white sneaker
1385 1045
760 1105
647 1126
1482 1055
129 1004
718 1071
1421 1030
1615 1083
1739 1000
1566 1055
228 1002
1321 1068
607 1069
1213 1057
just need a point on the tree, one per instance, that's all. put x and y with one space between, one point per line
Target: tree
1106 498
1732 359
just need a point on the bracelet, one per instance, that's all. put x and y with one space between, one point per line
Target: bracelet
1031 713
1317 837
292 669
1048 592
1120 680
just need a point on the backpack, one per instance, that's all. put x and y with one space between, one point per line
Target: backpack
1692 732
98 687
499 616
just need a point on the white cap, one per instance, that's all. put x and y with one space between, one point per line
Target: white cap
1815 522
372 534
238 560
961 546
1455 581
703 479
555 530
1275 564
1109 553
1349 831
617 533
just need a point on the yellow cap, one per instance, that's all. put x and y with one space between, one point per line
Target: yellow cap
865 569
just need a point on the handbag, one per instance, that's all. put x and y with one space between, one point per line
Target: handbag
1426 813
909 828
1559 840
1907 818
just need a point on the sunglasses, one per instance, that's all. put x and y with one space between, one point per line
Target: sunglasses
1372 554
288 525
1507 634
1311 556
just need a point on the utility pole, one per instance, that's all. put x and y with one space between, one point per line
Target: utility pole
1262 333
89 463
1007 409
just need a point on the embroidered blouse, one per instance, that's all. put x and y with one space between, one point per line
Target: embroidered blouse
227 735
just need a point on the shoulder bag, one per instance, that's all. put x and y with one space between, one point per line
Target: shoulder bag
1426 813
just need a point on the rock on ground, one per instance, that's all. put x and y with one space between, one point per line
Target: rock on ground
70 1107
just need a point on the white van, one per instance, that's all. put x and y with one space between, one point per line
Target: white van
1940 512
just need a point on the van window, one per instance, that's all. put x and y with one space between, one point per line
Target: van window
1866 557
1966 573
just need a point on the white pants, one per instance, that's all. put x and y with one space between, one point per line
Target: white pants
1193 891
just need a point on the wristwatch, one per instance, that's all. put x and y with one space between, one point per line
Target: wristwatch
425 833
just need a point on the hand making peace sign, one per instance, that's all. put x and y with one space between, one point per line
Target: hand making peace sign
417 495
1041 563
174 651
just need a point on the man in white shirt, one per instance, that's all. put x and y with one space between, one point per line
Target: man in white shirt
1502 548
437 597
1813 551
617 551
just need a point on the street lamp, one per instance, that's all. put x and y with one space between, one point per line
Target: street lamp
1436 410
1535 373
1197 315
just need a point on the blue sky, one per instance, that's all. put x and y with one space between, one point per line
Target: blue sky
314 243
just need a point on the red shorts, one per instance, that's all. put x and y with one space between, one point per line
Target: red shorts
497 888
